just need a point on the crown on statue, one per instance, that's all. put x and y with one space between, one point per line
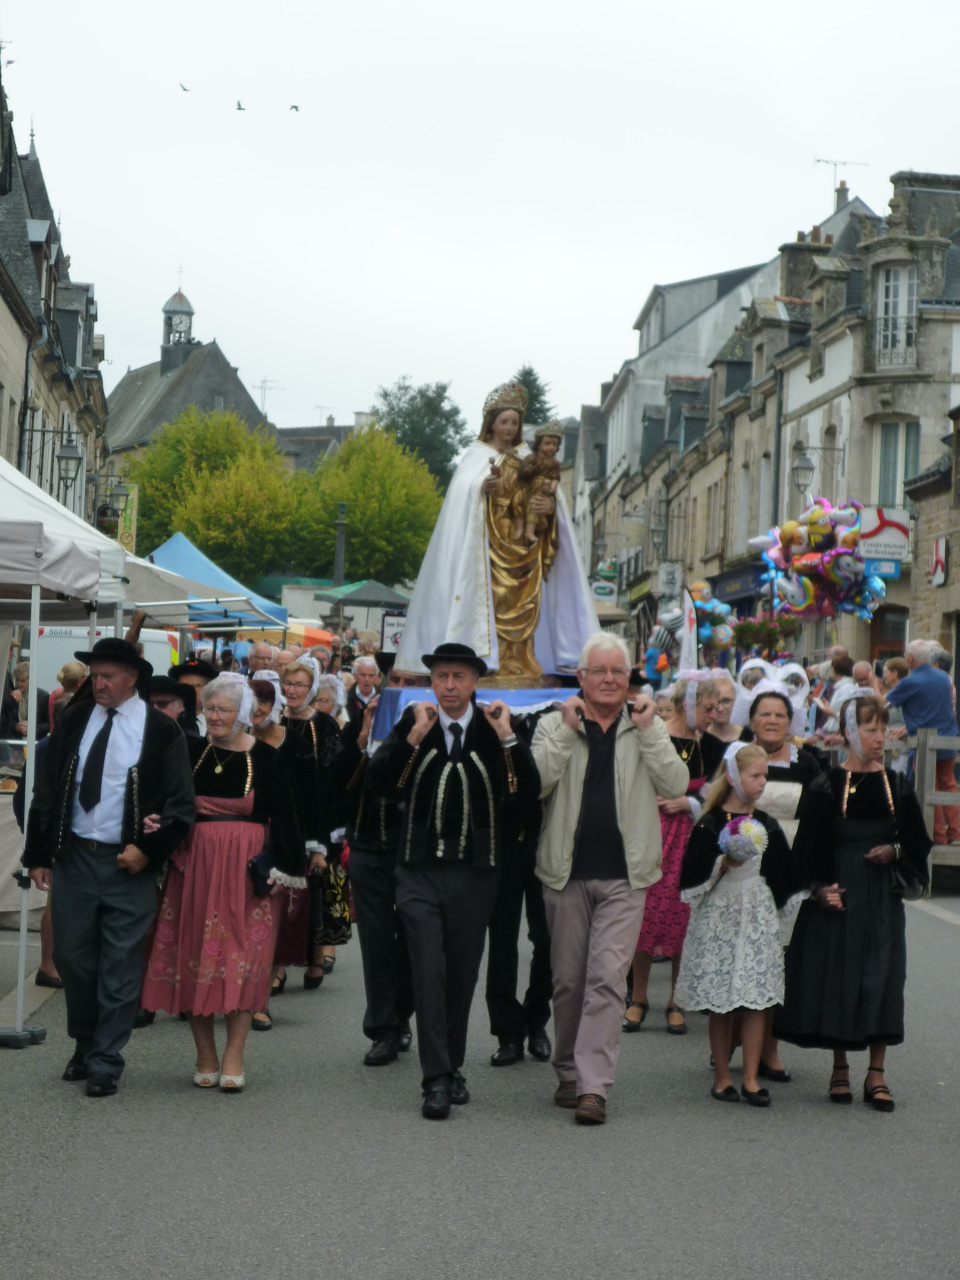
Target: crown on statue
551 428
511 395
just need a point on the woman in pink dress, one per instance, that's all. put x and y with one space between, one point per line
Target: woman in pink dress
693 704
212 949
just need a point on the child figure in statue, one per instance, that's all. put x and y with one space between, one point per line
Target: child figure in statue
539 474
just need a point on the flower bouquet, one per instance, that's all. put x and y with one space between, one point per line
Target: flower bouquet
741 839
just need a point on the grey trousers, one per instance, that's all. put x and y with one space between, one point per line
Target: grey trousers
100 917
594 926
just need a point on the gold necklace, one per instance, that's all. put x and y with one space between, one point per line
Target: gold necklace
850 788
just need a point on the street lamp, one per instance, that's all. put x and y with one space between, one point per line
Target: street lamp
118 497
658 536
802 469
69 461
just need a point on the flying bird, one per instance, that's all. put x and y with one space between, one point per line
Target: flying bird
184 88
240 107
294 108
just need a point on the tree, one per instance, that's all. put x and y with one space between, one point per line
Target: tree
426 422
243 517
392 505
539 409
167 469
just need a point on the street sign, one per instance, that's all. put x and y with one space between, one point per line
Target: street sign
670 576
604 590
885 533
881 568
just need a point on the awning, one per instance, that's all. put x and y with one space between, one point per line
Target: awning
369 594
608 614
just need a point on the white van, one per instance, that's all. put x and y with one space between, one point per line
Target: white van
59 644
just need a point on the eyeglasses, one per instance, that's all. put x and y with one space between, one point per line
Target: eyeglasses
294 684
600 673
726 702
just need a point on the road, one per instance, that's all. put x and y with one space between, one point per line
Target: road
324 1168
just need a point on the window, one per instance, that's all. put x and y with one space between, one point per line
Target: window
897 316
743 510
830 467
712 541
899 460
766 493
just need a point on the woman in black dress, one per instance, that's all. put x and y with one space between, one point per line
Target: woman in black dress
847 963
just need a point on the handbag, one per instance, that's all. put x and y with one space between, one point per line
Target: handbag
259 868
903 883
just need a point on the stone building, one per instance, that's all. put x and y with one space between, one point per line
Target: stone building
52 405
935 594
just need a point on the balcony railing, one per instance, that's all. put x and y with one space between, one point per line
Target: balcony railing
894 342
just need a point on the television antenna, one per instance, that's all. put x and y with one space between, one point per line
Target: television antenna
263 386
858 164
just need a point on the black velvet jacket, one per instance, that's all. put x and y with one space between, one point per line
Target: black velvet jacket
160 782
498 780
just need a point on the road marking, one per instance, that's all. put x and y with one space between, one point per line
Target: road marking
932 909
15 942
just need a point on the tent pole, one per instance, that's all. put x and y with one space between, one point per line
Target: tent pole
92 639
19 1037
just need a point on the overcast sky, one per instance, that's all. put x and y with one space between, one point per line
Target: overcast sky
466 187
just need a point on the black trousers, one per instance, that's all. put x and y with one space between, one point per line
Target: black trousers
445 908
383 947
510 1018
100 917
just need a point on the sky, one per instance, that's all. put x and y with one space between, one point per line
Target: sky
465 187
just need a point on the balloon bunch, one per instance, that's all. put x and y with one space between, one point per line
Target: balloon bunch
713 618
814 565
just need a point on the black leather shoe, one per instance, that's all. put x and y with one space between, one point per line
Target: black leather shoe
510 1051
76 1069
144 1018
380 1053
538 1042
436 1100
459 1093
777 1074
101 1085
45 980
405 1040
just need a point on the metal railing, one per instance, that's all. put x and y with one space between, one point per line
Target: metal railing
894 342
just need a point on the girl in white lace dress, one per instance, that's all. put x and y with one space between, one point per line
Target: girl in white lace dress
738 872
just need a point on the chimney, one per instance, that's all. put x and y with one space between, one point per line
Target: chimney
330 421
795 264
828 238
815 235
843 195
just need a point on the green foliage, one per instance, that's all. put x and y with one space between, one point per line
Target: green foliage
242 517
392 505
168 468
426 422
539 409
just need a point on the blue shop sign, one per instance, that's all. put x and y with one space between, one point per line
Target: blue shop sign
738 585
881 568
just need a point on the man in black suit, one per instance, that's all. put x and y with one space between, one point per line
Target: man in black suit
112 800
455 768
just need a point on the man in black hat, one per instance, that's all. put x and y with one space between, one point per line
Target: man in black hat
456 769
112 800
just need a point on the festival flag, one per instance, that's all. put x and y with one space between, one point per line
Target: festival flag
688 633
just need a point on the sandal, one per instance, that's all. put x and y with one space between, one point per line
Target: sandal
839 1090
676 1028
629 1025
278 984
879 1096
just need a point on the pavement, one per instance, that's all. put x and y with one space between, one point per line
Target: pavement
324 1168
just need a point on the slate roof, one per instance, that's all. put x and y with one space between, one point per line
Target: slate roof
951 274
738 349
678 382
144 399
14 242
310 445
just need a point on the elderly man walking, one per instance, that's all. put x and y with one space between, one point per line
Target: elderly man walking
366 675
602 765
925 697
113 799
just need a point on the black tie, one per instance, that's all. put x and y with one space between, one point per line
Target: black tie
93 769
456 731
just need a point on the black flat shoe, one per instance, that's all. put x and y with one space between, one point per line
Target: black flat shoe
45 980
777 1074
729 1094
405 1040
311 983
76 1069
144 1018
100 1085
380 1053
278 985
459 1093
755 1097
328 963
538 1042
510 1051
261 1022
436 1100
839 1090
630 1025
872 1096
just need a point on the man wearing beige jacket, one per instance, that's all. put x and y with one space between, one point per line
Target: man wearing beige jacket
602 765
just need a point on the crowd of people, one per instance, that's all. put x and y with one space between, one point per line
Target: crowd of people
205 832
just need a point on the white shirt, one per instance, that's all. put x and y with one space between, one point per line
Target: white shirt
446 722
104 822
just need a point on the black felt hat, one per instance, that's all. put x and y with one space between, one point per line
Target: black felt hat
454 653
113 649
174 689
385 658
194 667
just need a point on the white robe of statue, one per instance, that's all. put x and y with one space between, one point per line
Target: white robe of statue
453 600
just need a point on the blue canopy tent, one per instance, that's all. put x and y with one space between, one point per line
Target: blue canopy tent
240 607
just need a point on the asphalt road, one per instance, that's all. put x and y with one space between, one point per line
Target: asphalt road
324 1168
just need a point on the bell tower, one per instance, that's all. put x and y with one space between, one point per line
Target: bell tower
177 332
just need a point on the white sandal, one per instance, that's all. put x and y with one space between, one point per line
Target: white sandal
206 1079
232 1084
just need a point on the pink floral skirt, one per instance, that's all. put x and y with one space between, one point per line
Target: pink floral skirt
665 917
212 948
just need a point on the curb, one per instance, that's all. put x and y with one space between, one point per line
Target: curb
34 998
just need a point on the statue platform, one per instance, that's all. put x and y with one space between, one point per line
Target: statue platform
521 701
